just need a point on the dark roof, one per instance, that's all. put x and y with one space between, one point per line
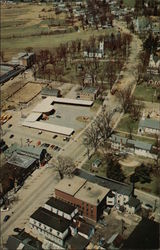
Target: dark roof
28 241
85 228
50 219
50 92
77 242
145 236
133 202
60 205
119 187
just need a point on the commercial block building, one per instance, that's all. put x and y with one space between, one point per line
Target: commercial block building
88 197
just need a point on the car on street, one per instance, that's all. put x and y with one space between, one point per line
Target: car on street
9 125
149 206
6 218
11 136
40 132
66 139
58 116
55 136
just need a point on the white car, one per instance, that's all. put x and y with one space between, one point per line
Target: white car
4 209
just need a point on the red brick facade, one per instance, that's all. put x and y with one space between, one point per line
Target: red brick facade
87 210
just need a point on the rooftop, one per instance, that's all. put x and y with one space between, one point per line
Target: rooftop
60 205
23 240
77 242
113 185
50 92
91 193
149 123
22 161
89 90
50 219
143 145
70 185
133 202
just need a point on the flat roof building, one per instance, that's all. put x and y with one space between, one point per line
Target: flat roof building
88 197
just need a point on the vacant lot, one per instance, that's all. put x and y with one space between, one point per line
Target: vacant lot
27 93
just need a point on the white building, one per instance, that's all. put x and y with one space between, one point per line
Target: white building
61 208
149 126
50 226
154 65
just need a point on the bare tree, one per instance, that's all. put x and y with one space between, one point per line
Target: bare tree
64 166
126 98
136 110
91 137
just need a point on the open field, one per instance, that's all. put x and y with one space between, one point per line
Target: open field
129 3
125 122
26 25
27 93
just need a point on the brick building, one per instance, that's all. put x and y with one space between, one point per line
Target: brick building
88 197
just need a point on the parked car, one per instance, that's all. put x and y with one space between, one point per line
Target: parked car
148 205
17 230
40 132
4 209
6 218
11 136
58 116
56 147
46 145
9 125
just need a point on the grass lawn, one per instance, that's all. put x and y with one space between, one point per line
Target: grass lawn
152 187
101 170
129 3
123 124
145 93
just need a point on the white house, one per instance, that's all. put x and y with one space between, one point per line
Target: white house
149 126
95 53
133 146
61 208
50 226
154 65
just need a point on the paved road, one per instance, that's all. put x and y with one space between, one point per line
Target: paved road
33 194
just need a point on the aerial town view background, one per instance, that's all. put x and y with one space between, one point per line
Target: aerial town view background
80 124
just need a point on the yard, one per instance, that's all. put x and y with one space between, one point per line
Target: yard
146 93
126 122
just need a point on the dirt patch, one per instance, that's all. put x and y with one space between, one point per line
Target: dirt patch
129 162
27 93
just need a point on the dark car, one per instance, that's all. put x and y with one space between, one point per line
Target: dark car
6 218
55 136
58 116
56 147
11 136
46 145
148 205
17 229
9 125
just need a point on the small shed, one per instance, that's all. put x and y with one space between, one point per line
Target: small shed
96 163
